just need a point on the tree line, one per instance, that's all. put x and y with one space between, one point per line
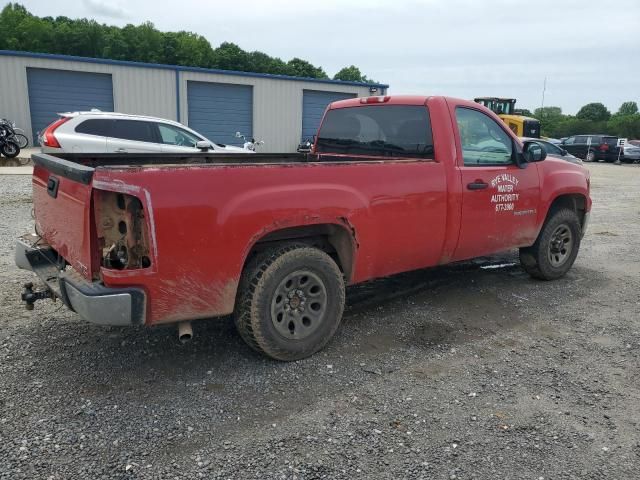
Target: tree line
21 30
591 118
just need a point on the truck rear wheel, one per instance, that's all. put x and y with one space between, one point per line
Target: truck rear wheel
556 247
290 301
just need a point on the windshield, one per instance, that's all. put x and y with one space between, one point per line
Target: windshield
377 130
501 106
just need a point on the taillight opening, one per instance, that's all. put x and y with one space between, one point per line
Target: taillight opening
123 239
48 137
604 147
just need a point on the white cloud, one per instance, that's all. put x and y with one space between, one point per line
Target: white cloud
105 9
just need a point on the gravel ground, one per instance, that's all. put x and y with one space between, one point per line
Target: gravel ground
452 373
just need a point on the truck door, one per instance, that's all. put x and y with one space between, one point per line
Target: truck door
499 199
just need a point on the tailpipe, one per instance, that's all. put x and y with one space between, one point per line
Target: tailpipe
185 332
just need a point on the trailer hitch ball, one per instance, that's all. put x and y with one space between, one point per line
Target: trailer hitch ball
30 297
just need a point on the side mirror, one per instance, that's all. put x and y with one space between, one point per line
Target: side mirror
533 152
238 135
564 152
204 145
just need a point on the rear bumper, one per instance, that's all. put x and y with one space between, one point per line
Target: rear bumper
91 300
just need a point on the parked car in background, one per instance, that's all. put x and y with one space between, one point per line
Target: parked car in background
553 150
555 141
592 147
631 151
109 132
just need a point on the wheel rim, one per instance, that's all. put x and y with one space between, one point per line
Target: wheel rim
561 245
299 305
590 156
10 148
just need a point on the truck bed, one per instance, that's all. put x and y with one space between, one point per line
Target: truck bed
130 159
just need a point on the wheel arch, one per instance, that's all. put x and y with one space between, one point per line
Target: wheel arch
576 202
336 239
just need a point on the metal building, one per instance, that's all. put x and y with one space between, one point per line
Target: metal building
278 109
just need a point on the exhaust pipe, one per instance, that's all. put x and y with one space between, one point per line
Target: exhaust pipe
185 332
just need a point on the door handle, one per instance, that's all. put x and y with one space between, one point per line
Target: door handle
477 185
121 150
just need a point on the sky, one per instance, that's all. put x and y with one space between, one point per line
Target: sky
589 51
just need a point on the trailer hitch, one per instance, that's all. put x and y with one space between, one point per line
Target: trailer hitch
30 297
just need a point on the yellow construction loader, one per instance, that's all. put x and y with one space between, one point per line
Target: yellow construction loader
505 108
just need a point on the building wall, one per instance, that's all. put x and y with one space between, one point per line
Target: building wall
142 91
277 103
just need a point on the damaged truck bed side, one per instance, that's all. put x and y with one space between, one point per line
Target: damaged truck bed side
392 184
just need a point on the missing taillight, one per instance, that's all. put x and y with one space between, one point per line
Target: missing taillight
121 230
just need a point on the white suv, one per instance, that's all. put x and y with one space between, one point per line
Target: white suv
109 132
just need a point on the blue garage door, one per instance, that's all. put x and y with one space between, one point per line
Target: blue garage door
313 105
55 91
219 110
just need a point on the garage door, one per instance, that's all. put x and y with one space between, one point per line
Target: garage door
219 110
313 105
55 91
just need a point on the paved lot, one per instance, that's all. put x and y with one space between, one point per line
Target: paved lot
453 373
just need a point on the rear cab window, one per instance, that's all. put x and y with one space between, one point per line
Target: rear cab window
397 131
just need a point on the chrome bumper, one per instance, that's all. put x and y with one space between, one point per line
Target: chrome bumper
91 300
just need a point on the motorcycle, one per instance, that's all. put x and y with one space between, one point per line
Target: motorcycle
305 146
249 144
9 146
18 134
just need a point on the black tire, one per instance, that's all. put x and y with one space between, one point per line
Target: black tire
551 256
10 149
290 322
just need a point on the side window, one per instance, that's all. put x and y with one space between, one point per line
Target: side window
171 135
95 126
581 140
483 141
570 141
135 130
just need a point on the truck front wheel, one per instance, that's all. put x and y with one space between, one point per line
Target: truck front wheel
556 247
290 301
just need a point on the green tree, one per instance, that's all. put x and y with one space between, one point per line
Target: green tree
628 108
626 126
577 126
301 68
595 112
352 74
20 30
550 118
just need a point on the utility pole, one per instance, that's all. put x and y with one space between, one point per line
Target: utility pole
544 89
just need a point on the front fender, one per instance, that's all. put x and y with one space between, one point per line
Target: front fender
558 179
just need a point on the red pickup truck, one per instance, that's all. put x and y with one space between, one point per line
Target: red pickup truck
393 183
